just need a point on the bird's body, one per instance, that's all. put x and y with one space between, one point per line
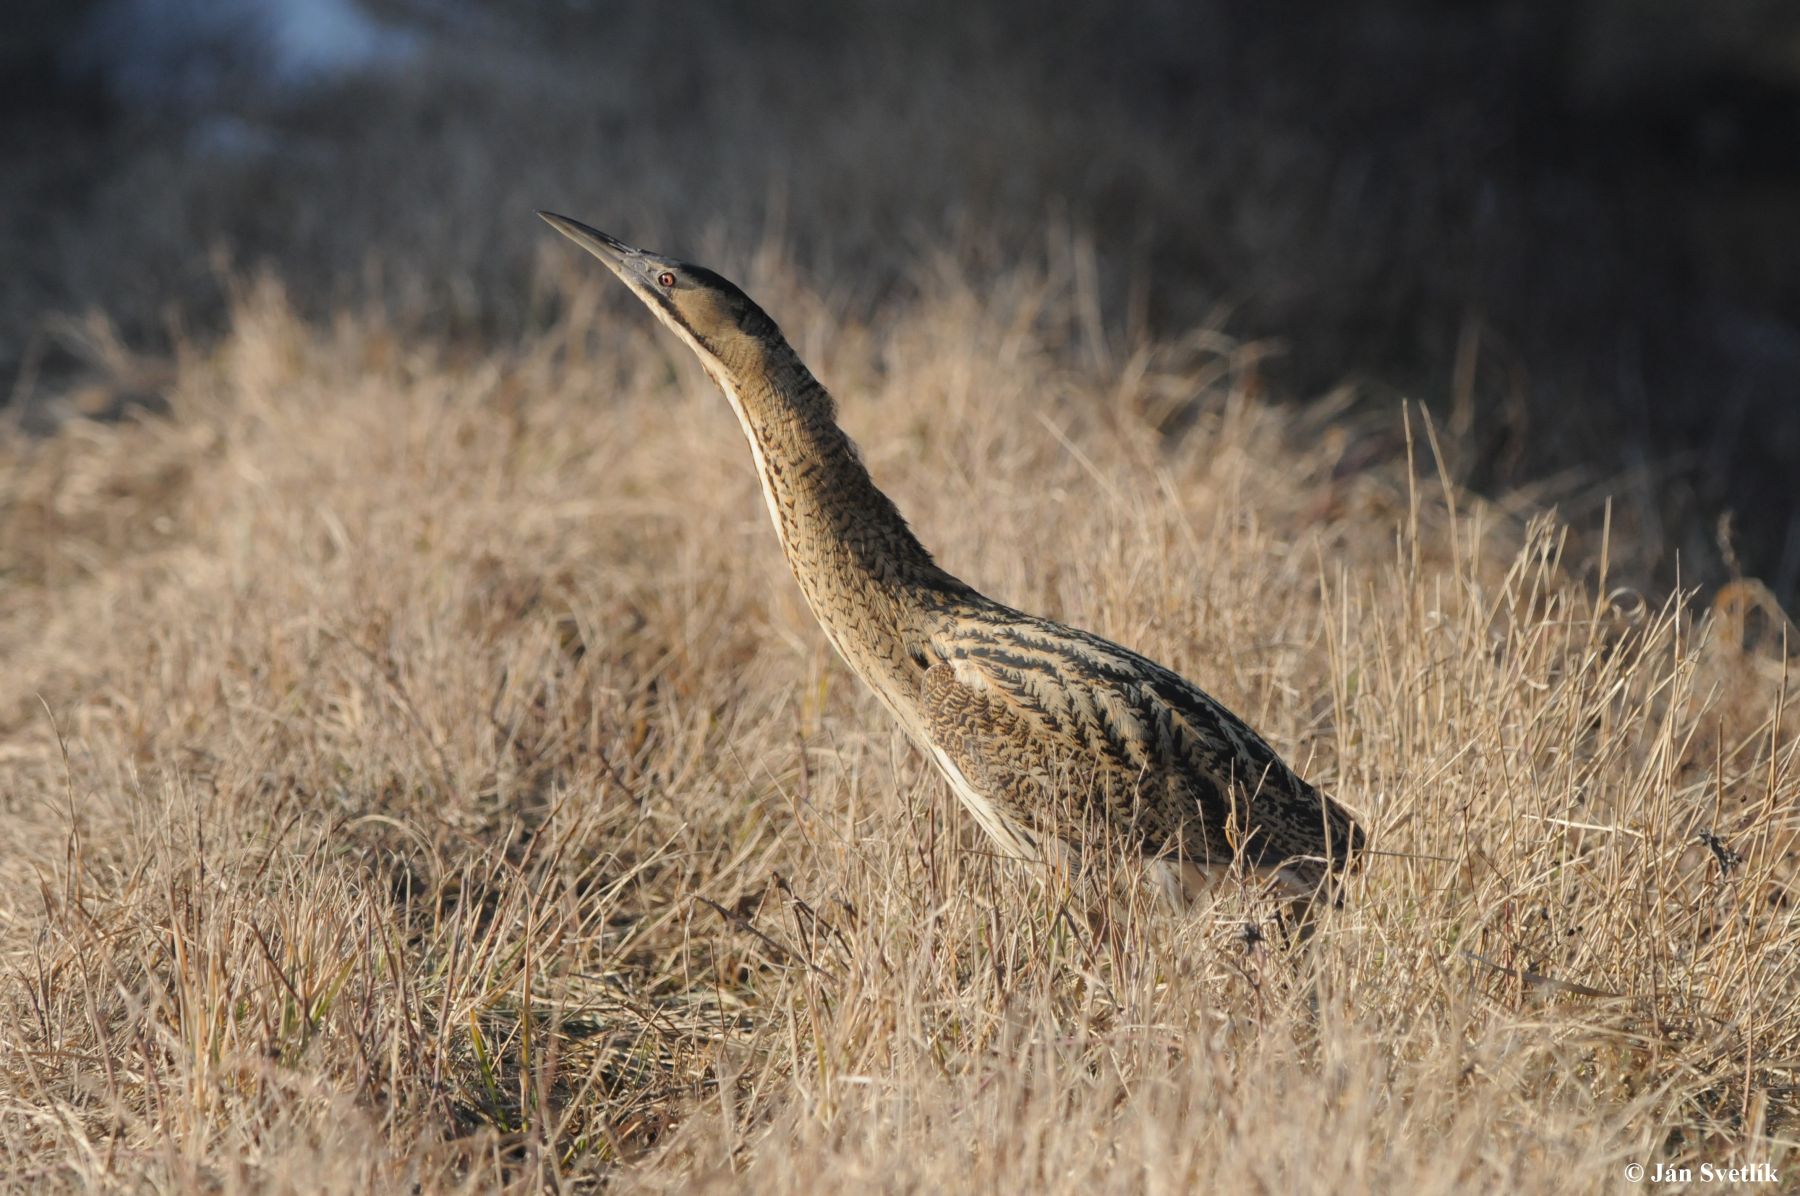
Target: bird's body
1049 735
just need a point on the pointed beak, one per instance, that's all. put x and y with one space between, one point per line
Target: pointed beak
613 252
636 268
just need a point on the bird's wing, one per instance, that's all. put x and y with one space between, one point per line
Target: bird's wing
1054 725
999 764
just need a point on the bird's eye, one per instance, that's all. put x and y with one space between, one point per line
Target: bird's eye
666 278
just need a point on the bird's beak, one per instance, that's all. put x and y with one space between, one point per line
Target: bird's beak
613 252
637 269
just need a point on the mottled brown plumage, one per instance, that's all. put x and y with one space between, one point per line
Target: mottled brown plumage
1049 735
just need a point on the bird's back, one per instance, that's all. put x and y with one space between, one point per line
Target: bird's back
1059 729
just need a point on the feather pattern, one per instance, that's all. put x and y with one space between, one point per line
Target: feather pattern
1060 729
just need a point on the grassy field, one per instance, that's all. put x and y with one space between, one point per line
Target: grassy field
420 771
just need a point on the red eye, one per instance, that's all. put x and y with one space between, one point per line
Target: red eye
666 278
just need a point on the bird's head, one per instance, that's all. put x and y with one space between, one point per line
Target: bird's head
723 326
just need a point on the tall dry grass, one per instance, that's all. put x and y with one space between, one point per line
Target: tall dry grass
419 771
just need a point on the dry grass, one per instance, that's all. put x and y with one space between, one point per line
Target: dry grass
420 771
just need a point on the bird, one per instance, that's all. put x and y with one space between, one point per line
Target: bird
1053 738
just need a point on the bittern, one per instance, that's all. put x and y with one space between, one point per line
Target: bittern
1050 736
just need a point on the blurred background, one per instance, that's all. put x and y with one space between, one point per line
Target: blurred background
1570 228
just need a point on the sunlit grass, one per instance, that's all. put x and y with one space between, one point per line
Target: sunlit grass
420 769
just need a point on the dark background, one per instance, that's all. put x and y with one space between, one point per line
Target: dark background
1572 229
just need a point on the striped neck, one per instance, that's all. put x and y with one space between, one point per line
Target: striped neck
870 583
836 527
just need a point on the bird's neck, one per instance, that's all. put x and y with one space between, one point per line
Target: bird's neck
863 572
